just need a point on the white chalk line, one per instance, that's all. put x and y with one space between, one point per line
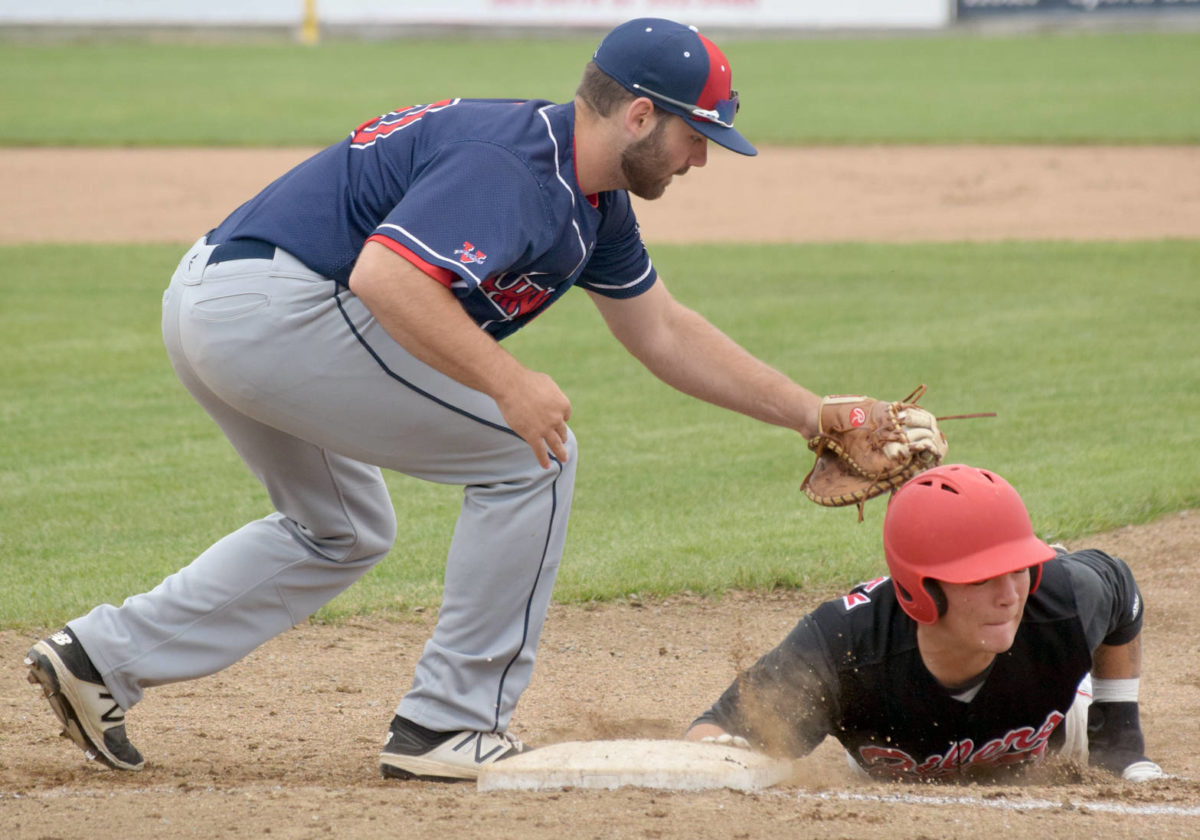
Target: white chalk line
116 793
1091 805
1004 804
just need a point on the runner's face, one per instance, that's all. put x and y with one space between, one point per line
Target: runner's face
670 149
984 616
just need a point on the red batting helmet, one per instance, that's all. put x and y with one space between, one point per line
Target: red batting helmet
956 524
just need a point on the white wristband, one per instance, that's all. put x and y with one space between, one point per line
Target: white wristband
1114 691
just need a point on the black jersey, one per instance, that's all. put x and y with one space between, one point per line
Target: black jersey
852 669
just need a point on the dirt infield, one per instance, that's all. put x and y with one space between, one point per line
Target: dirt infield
284 743
891 194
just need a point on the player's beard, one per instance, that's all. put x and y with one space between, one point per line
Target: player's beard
644 162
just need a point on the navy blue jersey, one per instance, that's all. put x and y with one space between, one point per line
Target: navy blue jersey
479 194
852 669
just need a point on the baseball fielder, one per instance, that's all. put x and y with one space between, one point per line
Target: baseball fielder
348 318
967 661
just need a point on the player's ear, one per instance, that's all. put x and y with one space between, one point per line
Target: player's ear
640 118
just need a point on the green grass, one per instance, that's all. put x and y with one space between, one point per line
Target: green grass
1044 88
111 477
1060 88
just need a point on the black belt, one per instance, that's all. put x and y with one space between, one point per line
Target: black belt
241 249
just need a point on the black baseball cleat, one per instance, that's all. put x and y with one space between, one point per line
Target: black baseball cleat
83 704
414 752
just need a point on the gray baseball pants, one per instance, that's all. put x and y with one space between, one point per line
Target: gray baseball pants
316 398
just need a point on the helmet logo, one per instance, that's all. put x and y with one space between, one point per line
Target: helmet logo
858 417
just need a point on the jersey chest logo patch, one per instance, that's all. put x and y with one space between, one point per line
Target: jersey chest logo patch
515 294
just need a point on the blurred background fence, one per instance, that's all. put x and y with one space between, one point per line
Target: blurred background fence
309 19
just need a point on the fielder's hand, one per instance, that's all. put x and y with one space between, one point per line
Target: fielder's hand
538 411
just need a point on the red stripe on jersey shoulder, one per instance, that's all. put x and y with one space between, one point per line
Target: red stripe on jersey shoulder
443 275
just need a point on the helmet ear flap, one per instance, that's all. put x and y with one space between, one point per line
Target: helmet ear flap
937 595
926 605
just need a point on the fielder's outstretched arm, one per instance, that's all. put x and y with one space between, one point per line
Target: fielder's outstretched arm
683 349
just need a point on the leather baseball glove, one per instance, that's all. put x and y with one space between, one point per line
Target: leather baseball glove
866 447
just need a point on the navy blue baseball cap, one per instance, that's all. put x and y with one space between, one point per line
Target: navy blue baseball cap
680 70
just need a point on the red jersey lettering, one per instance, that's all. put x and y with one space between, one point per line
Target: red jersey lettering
1020 745
515 294
380 127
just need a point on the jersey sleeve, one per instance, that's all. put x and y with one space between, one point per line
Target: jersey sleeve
786 702
473 211
1107 597
619 266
